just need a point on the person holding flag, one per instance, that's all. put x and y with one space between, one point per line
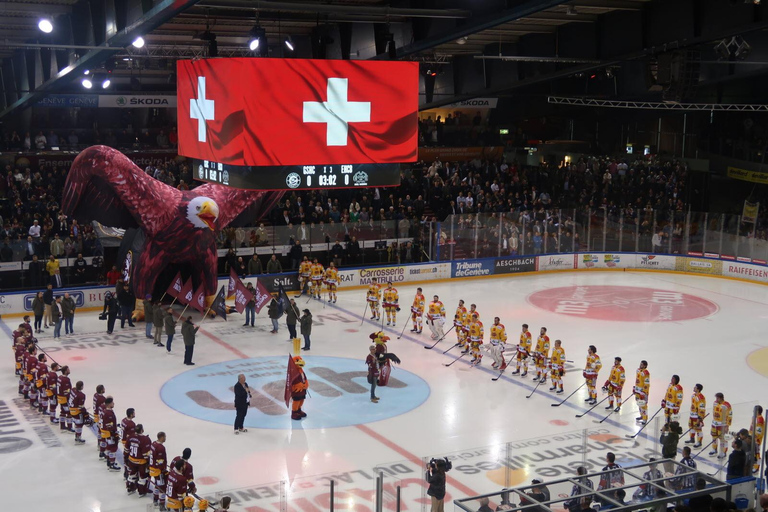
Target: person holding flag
188 332
148 314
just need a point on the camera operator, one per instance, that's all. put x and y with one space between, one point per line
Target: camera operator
436 470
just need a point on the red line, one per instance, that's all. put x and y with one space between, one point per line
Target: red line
411 457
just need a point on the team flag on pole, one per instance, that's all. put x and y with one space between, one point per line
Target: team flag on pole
185 295
219 305
198 299
176 285
262 295
242 297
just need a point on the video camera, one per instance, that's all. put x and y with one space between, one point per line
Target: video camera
434 463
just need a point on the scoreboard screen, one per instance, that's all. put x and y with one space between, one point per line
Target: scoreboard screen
292 177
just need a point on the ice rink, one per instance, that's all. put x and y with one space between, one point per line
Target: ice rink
704 329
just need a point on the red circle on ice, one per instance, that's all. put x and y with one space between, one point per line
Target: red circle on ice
622 303
207 480
558 423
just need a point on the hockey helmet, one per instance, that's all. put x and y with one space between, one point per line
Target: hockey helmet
298 361
203 505
189 502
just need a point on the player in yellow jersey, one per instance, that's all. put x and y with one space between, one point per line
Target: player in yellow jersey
540 355
498 339
476 335
642 389
722 415
697 415
391 300
558 367
615 384
591 369
436 317
316 274
757 436
673 398
374 293
523 351
459 319
417 311
304 273
331 281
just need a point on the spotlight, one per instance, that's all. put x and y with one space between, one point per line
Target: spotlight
102 79
257 38
213 45
138 42
45 25
462 40
289 43
87 83
86 71
106 83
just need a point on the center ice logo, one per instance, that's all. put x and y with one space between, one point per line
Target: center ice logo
339 393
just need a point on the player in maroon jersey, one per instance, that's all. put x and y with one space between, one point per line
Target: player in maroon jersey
158 469
139 449
32 376
19 350
63 389
176 488
50 390
126 431
189 472
109 434
98 403
77 412
40 383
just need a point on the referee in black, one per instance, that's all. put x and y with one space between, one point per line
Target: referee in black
242 401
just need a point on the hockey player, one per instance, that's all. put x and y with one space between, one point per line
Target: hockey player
541 354
50 390
187 470
696 417
417 311
374 293
436 317
40 384
108 428
63 389
299 387
331 281
558 367
615 384
476 335
316 274
641 390
523 350
391 300
77 412
459 319
304 272
32 376
158 469
498 343
722 415
98 403
176 488
139 449
757 436
672 399
127 426
591 369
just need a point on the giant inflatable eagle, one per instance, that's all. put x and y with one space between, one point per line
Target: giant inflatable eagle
178 226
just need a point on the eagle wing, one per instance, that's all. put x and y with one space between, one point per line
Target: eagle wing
237 206
106 186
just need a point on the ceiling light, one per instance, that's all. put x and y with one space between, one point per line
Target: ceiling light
571 11
258 38
45 25
106 83
86 71
289 43
87 83
462 40
138 42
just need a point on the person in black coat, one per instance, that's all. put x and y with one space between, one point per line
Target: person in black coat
242 402
112 308
36 269
436 480
127 301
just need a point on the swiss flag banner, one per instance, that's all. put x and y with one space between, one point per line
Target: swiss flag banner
271 112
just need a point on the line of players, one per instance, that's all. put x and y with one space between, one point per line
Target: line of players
313 275
470 335
50 388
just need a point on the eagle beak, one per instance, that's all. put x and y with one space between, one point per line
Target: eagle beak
208 215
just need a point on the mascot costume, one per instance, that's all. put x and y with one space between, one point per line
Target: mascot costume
383 357
299 386
164 226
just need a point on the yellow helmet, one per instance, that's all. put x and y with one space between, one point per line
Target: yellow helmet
189 502
299 361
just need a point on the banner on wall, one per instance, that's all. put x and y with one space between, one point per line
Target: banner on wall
746 175
699 266
603 260
749 213
473 268
745 271
134 101
654 261
68 101
556 262
49 159
474 103
515 265
454 154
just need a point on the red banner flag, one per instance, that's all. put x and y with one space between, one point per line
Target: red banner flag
233 282
175 289
262 295
185 295
291 373
198 299
343 111
242 296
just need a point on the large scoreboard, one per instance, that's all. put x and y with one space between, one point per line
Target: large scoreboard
273 124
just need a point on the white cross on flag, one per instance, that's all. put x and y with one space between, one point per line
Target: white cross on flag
269 112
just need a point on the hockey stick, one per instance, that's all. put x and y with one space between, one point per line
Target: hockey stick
453 347
441 339
703 449
646 424
46 353
691 428
365 311
462 355
569 396
612 411
536 387
719 469
403 331
590 409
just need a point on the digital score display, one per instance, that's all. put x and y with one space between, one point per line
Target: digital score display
298 176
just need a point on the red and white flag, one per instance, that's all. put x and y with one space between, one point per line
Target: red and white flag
252 111
242 296
185 294
262 295
198 299
175 288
